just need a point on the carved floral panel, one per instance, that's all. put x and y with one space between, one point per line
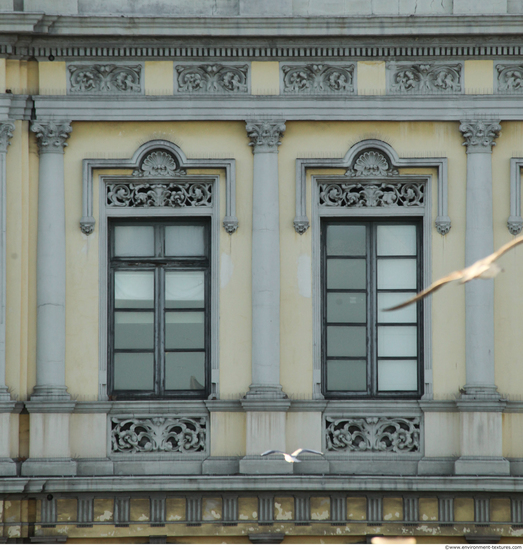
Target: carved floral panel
425 78
509 78
373 434
318 78
157 193
105 79
212 78
165 434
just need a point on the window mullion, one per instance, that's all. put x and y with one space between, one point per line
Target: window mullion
160 331
371 322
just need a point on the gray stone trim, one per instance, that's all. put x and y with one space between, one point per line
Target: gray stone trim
482 539
315 78
482 510
265 508
410 509
374 508
516 510
158 509
50 406
158 539
230 508
85 509
480 405
93 407
102 78
224 405
438 406
515 221
446 510
48 510
158 407
212 78
194 509
59 539
122 510
338 511
302 508
436 77
266 538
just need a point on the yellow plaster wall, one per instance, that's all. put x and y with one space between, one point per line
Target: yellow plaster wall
428 509
464 509
159 77
512 435
393 509
479 76
52 78
370 78
3 76
265 78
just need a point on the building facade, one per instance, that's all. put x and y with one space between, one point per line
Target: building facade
205 209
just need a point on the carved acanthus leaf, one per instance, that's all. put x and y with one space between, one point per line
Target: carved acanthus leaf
426 78
372 195
265 136
154 193
318 78
159 163
373 434
51 136
6 133
510 78
103 79
168 434
480 135
212 78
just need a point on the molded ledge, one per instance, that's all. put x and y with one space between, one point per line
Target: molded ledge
481 466
221 466
250 465
7 467
436 466
95 467
49 467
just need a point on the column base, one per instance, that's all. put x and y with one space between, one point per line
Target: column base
7 467
486 392
49 467
265 398
4 394
481 465
50 393
255 465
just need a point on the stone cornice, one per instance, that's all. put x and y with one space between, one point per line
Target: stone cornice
51 135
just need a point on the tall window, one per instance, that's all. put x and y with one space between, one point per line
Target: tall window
159 309
369 266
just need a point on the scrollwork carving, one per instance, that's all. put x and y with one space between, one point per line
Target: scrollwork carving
480 135
103 79
373 434
265 136
370 195
212 78
318 78
426 78
510 78
155 193
159 434
51 136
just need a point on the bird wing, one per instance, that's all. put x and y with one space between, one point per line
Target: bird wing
454 276
272 452
505 248
299 451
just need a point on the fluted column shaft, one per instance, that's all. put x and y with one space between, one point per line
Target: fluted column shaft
265 138
479 242
6 133
50 286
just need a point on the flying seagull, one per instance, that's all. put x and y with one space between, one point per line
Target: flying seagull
292 456
482 269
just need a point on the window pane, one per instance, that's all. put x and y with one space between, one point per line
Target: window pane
397 274
349 274
347 375
133 371
133 240
397 342
184 240
346 341
184 330
134 289
391 299
346 307
396 240
185 371
397 375
185 289
133 330
346 240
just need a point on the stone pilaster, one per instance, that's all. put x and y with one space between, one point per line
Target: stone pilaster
50 286
481 405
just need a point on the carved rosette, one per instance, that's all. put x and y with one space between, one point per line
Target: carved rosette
159 434
373 435
265 136
104 79
318 78
6 133
510 79
51 136
212 78
426 78
480 135
172 194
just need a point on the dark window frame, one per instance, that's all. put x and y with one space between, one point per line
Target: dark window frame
371 292
160 265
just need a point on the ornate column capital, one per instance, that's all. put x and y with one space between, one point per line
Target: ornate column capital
6 133
480 134
265 135
51 135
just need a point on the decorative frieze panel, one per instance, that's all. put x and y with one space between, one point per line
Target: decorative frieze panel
509 78
105 79
159 434
425 78
376 194
154 193
318 78
213 78
373 434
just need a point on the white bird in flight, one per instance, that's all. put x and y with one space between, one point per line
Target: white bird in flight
482 269
292 457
